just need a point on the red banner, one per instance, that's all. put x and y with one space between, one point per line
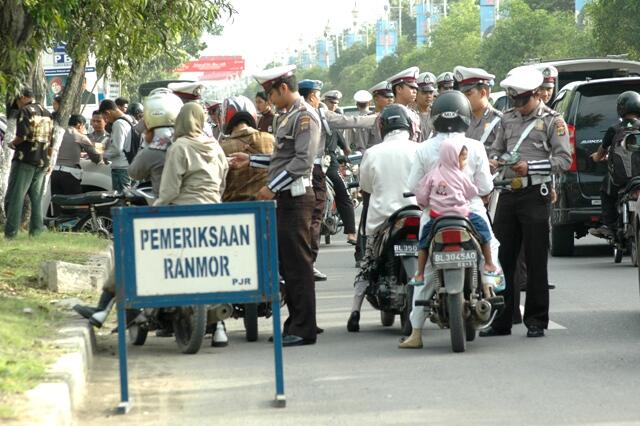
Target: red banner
219 75
214 64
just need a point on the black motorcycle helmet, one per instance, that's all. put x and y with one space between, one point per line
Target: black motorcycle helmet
628 103
395 117
135 108
451 112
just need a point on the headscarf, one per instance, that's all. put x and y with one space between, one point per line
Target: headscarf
190 121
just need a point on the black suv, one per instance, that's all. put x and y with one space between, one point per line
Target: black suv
589 108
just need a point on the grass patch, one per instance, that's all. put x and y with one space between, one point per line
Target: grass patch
27 318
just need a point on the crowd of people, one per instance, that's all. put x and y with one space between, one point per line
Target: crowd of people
436 136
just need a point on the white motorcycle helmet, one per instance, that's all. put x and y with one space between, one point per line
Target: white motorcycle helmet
161 108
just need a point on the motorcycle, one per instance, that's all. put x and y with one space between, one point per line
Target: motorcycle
91 211
188 324
331 223
624 239
396 262
249 313
349 166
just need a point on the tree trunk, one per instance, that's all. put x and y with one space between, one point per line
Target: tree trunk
70 103
37 81
6 154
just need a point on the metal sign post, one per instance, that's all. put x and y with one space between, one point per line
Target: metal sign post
192 255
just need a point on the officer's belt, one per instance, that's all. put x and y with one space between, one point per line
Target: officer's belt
305 180
77 173
525 181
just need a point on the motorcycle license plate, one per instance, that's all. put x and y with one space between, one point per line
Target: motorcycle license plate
406 248
454 259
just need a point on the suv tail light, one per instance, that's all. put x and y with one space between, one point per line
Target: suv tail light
572 143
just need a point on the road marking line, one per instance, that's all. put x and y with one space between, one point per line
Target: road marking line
552 325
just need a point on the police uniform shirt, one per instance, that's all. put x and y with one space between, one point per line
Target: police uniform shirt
359 138
479 126
342 122
297 138
425 125
546 148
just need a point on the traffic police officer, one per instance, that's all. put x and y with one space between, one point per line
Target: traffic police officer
424 99
332 99
540 137
475 84
548 85
297 138
404 86
382 96
445 81
358 139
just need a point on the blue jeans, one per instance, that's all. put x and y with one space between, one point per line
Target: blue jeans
477 221
24 179
120 179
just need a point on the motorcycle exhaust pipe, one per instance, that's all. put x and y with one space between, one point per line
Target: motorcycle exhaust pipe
219 312
483 310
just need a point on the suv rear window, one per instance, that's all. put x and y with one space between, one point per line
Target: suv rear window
597 109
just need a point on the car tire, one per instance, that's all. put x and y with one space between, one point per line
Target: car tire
561 240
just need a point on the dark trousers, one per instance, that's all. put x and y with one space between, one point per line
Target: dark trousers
361 242
296 262
320 191
64 183
609 198
522 221
343 201
520 282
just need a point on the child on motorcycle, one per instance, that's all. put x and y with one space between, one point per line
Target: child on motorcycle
446 192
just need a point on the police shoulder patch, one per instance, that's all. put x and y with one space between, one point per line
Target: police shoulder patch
303 122
561 127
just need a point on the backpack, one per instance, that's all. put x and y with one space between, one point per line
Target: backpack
136 141
623 164
36 149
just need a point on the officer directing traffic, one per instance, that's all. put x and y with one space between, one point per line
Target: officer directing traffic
540 139
288 181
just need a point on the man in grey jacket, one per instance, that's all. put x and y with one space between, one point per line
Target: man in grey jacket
118 143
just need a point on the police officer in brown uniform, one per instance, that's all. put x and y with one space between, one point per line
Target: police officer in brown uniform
475 84
424 99
540 137
297 137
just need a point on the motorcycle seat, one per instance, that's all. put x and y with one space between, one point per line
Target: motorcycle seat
94 197
408 210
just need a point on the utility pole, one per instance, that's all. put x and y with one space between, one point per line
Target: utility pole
399 19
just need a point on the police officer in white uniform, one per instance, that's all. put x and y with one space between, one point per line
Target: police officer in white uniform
548 85
539 136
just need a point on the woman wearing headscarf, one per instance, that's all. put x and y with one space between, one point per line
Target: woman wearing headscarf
195 168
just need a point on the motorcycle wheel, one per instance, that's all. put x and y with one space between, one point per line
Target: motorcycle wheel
189 325
387 318
105 231
137 334
455 306
251 321
617 254
633 249
327 239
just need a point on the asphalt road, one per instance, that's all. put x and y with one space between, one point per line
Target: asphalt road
586 370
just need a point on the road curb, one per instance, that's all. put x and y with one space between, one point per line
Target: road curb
54 402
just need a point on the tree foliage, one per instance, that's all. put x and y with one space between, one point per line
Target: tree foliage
615 26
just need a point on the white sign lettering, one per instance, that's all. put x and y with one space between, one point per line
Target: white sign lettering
197 254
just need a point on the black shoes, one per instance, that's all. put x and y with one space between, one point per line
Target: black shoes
535 331
353 325
490 332
291 340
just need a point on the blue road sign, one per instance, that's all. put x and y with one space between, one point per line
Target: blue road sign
196 254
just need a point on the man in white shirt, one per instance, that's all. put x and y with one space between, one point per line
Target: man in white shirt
384 173
477 168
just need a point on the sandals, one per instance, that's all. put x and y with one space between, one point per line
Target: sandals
416 283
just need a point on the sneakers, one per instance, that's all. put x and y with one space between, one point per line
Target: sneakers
318 276
602 232
353 325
